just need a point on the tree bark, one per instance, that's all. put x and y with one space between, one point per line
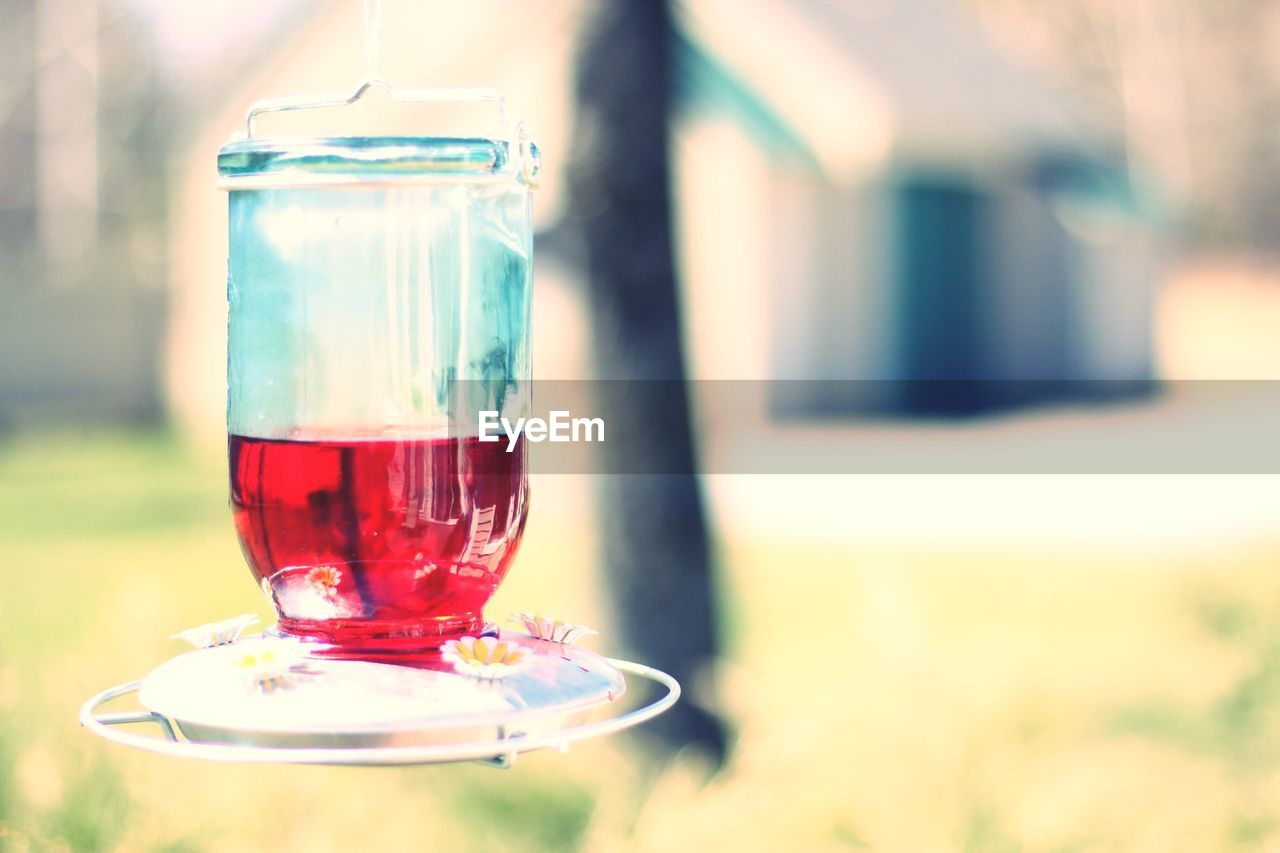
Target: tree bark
655 539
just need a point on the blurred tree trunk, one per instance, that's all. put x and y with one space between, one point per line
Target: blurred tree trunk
655 538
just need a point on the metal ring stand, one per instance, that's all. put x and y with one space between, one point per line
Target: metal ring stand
500 752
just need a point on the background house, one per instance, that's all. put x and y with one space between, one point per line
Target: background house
904 224
932 209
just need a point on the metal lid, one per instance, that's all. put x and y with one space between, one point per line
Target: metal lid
255 162
367 159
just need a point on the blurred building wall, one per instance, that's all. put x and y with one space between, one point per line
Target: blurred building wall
82 217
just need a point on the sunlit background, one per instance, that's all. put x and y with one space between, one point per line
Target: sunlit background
870 189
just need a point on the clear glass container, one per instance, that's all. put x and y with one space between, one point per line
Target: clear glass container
379 294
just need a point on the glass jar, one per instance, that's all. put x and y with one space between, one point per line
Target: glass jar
379 294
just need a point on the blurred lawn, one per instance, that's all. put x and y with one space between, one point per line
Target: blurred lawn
886 699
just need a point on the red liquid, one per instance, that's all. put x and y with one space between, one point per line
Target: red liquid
378 545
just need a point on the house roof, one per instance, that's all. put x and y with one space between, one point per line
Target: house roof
859 81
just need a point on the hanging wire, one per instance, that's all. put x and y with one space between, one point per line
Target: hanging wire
372 37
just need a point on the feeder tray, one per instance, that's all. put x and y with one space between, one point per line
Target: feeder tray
349 712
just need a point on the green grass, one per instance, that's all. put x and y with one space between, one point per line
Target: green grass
906 698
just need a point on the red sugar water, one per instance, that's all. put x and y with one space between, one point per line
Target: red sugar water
379 545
